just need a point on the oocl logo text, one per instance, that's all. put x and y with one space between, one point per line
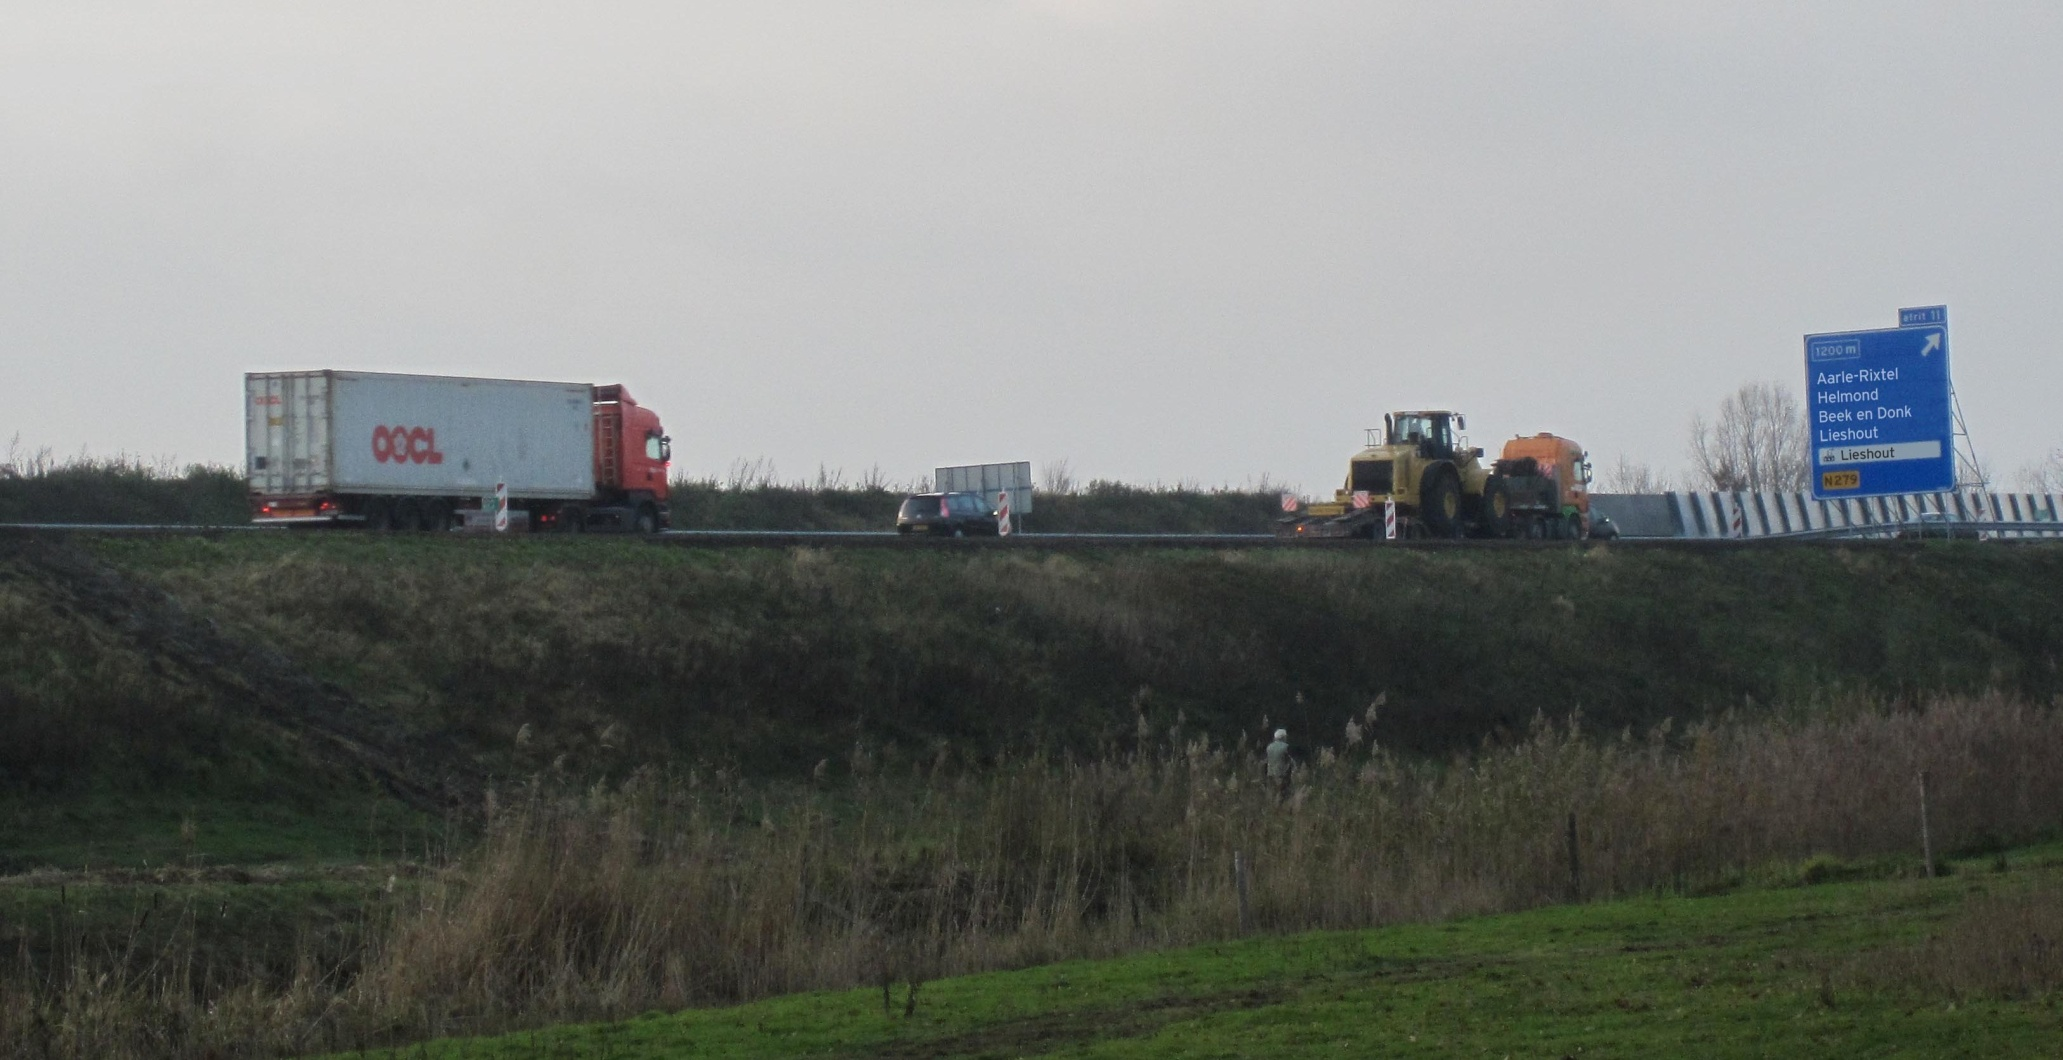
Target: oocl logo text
405 445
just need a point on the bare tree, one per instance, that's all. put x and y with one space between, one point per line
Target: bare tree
1626 476
2044 476
1759 441
1056 476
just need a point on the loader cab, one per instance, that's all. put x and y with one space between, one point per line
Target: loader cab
1432 433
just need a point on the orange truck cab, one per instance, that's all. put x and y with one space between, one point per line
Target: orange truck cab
1549 485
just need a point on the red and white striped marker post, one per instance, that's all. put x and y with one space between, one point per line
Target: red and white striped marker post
1003 513
1289 502
1737 522
501 507
1389 518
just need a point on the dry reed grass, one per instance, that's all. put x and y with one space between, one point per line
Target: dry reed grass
665 892
2007 945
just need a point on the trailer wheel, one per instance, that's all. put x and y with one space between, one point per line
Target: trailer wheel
1493 512
379 514
408 515
573 519
437 515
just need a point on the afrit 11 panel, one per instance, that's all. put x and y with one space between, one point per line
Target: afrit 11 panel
417 435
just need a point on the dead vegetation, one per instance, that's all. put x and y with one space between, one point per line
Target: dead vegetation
2004 945
673 890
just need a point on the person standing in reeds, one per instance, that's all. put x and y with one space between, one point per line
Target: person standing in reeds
1279 764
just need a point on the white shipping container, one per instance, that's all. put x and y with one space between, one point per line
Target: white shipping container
417 435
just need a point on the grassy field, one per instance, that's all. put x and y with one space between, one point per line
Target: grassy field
268 795
682 891
125 705
770 660
1891 967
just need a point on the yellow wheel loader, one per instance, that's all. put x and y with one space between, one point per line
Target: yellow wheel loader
1419 462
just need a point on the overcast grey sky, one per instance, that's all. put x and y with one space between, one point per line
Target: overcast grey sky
1164 240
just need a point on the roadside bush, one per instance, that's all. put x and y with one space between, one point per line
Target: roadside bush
37 488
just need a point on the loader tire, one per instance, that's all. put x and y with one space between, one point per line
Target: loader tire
1440 504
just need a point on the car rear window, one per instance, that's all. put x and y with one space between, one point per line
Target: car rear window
920 507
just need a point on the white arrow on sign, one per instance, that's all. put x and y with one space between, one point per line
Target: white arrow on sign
1933 343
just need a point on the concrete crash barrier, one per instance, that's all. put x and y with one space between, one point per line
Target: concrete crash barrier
1768 514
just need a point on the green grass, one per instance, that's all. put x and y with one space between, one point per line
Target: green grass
613 654
1773 971
228 922
771 659
104 829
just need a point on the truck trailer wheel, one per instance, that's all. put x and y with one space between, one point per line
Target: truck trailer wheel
1493 511
379 514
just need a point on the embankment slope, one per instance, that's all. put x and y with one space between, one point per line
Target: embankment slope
600 655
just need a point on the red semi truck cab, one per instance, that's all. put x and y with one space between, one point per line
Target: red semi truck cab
417 452
632 452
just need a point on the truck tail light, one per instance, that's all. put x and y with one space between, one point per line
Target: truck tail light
942 512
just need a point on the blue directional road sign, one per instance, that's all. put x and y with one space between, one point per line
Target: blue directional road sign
1880 409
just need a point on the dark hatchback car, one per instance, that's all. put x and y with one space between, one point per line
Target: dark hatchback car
948 514
1938 524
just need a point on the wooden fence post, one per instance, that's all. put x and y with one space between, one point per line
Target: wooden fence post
1241 883
1575 863
1926 840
